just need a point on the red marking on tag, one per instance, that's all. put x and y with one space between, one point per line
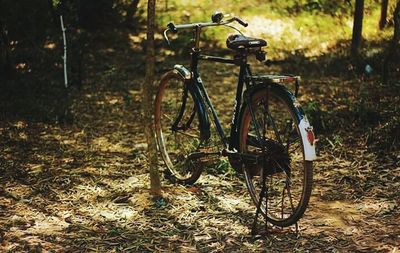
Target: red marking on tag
310 136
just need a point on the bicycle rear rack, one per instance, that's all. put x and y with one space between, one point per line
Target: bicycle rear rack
279 79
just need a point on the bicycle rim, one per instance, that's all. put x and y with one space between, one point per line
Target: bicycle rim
288 177
175 143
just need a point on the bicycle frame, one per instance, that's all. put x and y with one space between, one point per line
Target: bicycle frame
198 91
243 92
197 87
251 150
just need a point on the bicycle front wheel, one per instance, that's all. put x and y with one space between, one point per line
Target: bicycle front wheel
269 131
177 129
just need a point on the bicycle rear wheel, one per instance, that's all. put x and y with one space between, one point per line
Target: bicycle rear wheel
177 129
280 163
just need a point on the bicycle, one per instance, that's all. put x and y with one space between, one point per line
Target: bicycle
271 141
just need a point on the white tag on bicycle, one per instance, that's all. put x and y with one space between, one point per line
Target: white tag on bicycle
308 138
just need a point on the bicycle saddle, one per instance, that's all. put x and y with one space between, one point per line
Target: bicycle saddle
238 41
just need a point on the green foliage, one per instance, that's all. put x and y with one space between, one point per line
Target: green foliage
222 167
316 116
56 2
325 6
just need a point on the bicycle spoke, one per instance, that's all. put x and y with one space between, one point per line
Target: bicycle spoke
288 126
186 134
282 202
274 127
281 145
177 128
266 205
289 195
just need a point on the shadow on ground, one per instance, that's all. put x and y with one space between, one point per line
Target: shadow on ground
83 186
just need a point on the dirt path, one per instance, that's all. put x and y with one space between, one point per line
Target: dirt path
83 188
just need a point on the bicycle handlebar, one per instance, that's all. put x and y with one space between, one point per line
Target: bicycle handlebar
174 28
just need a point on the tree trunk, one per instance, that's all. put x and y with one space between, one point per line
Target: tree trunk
6 66
383 18
396 18
392 51
131 11
357 28
53 12
147 105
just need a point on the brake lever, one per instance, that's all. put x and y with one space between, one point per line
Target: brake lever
170 27
166 37
241 21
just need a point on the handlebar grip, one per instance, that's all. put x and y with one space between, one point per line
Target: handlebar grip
172 27
241 22
217 17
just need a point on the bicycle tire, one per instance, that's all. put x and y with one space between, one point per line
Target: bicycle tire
284 169
175 145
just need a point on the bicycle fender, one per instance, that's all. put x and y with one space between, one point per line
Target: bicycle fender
306 130
183 72
199 103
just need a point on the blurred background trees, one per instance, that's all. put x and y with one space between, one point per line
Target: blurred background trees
31 44
31 23
31 49
357 27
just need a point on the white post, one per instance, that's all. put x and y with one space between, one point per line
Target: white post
65 52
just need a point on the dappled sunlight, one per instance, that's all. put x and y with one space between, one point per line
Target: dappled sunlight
88 192
224 227
184 205
231 203
284 33
15 191
137 181
47 225
335 213
141 201
120 214
32 225
352 219
279 29
81 183
103 144
209 181
106 196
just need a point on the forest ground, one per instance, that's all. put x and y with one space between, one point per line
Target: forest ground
83 186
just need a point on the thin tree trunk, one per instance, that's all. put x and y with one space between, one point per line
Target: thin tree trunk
6 66
53 12
393 48
357 28
396 18
131 11
383 18
147 105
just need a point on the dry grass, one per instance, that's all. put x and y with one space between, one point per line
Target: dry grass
84 187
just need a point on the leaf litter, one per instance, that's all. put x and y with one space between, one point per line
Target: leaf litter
84 187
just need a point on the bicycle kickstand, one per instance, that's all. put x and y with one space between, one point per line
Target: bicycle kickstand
263 193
